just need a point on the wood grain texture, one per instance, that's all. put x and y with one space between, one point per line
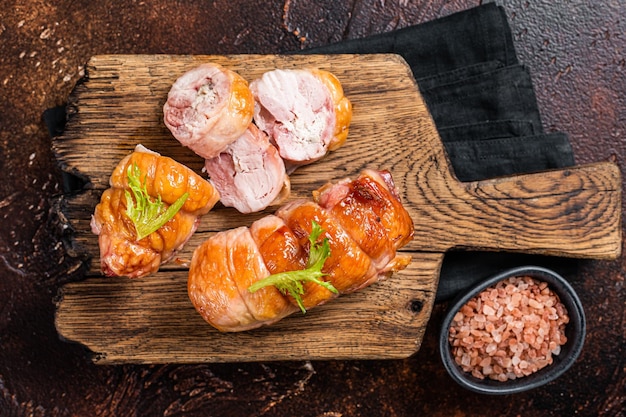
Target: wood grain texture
152 321
574 212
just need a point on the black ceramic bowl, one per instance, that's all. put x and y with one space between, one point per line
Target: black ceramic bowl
574 331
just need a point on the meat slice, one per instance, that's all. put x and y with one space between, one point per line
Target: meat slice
121 252
221 270
296 109
208 108
249 174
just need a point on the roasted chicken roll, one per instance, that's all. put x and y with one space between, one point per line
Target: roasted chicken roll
308 253
303 111
249 174
208 108
150 211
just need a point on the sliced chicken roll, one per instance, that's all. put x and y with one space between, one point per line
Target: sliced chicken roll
304 113
249 174
208 108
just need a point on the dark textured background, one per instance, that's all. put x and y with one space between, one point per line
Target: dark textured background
576 52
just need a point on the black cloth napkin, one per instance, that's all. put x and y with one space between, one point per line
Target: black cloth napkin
483 104
456 43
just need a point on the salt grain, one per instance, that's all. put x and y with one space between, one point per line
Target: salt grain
509 330
488 311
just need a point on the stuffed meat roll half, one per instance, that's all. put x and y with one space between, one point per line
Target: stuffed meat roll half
249 174
304 112
150 211
208 108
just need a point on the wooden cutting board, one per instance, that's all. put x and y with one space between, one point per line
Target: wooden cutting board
573 212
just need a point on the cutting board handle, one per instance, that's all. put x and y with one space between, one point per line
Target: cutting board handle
574 212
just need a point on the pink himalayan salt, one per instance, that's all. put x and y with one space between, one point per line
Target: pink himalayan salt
509 330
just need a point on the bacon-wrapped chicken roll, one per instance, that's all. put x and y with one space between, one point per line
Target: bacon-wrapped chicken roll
153 207
306 254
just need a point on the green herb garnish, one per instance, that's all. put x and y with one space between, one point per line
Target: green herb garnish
147 215
291 281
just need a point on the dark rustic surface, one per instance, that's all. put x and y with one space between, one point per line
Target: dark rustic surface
576 53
